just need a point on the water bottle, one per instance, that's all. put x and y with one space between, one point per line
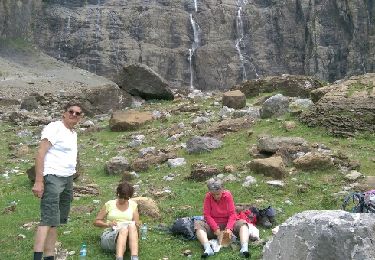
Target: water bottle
144 231
83 251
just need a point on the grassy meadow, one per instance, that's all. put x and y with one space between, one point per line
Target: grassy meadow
17 226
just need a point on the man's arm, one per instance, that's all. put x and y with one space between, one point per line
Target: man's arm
38 187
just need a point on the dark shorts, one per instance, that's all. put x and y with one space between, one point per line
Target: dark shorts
201 224
56 200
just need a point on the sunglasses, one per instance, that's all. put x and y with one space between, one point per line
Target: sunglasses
74 113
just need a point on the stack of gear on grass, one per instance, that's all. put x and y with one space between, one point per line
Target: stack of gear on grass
360 202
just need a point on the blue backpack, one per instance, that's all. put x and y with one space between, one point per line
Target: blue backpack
360 202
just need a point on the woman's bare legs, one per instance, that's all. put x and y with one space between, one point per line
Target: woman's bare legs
133 239
121 241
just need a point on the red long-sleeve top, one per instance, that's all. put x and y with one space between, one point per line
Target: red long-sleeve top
219 212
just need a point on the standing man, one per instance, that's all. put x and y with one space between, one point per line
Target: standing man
55 165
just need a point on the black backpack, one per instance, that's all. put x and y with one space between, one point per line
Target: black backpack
185 227
360 202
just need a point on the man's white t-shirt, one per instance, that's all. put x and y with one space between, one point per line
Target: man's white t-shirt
61 158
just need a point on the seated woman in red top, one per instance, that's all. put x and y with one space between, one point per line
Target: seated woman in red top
219 214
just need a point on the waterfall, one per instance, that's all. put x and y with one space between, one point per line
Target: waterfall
239 41
240 34
195 6
64 40
196 30
114 32
191 68
194 46
97 36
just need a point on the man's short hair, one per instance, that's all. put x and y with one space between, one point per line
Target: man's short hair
72 104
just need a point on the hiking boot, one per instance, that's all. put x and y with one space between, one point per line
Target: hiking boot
245 254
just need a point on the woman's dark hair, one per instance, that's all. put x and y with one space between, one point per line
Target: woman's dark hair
124 190
72 104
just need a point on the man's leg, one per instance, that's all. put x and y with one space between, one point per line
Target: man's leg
40 238
49 245
46 234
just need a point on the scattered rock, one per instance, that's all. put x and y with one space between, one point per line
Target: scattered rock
128 120
85 191
147 206
273 167
276 183
229 168
313 161
176 162
269 144
249 181
230 126
142 164
353 176
289 125
29 103
234 99
199 144
275 106
202 172
117 165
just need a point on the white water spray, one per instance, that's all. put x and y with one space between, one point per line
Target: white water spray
239 41
194 46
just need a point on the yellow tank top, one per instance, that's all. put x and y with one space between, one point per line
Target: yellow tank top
114 214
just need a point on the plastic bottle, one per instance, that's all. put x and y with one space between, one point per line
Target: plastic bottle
83 251
144 231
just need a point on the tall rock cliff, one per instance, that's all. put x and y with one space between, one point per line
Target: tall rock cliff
211 44
16 18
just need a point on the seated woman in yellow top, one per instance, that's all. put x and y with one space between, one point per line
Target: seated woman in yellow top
121 218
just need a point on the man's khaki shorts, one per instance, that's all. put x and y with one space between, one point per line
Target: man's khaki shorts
56 200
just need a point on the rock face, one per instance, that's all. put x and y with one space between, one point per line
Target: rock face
215 45
323 235
16 18
346 107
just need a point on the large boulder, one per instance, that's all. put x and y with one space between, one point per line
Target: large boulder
276 105
128 120
313 161
346 108
327 235
273 167
117 165
234 99
140 80
147 207
199 144
270 144
288 85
